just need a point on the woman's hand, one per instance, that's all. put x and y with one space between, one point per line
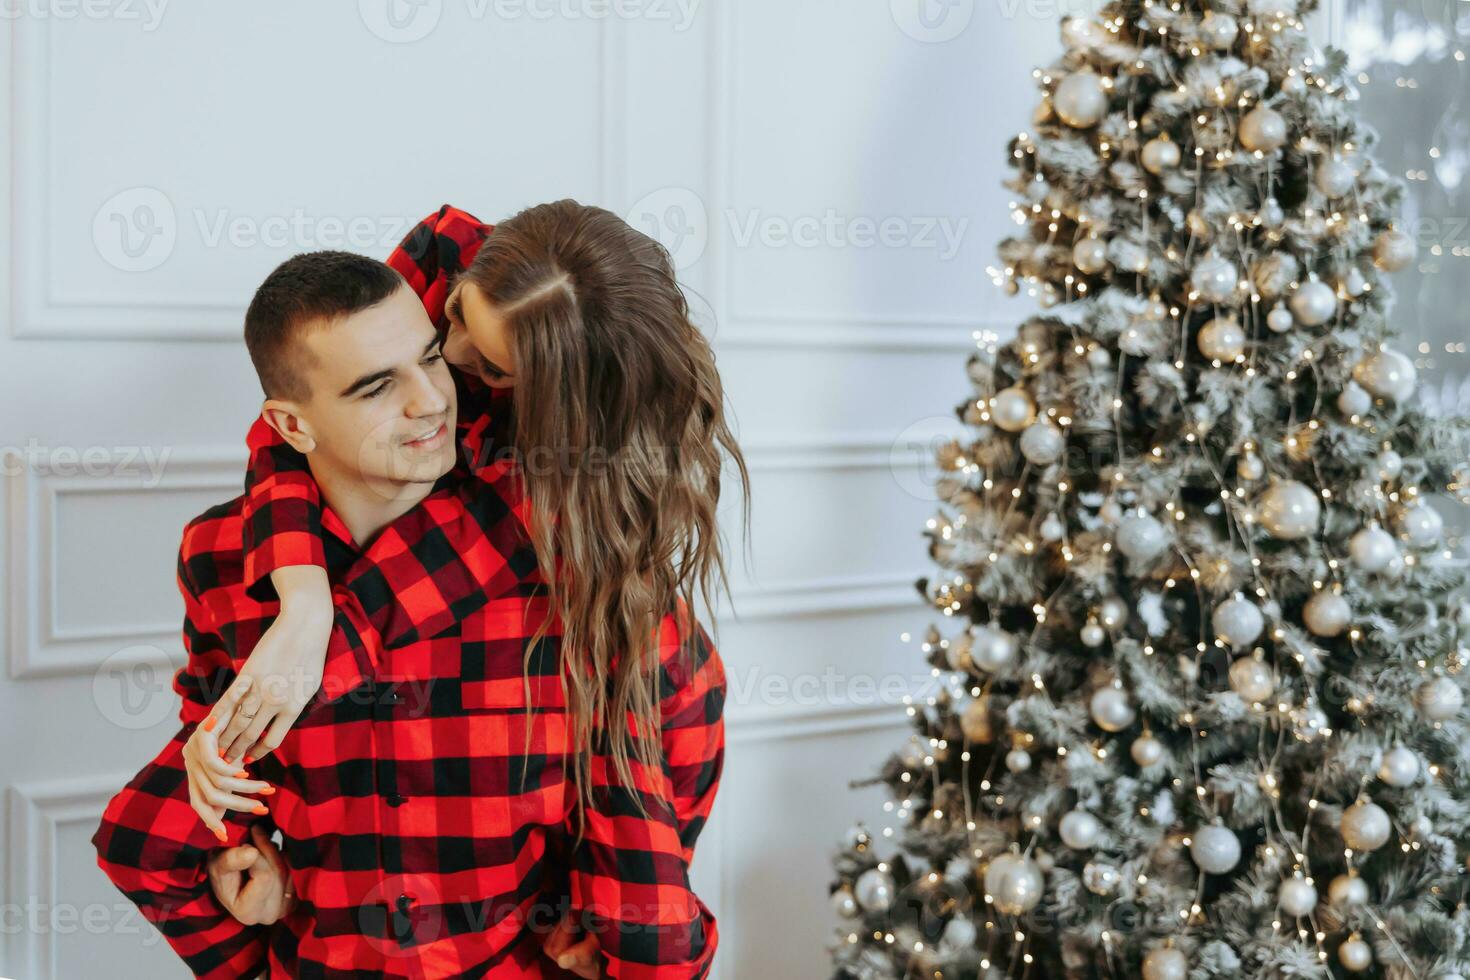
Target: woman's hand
582 957
215 785
252 882
282 673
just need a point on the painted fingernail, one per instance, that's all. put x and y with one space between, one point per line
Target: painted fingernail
249 759
223 754
223 838
209 724
261 809
242 774
267 791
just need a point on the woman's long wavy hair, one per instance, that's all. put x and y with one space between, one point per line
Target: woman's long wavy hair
619 429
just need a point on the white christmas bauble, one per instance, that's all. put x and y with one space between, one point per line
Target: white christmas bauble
1101 878
1215 849
1439 700
1215 278
1165 964
1042 443
1387 374
1250 468
1262 129
1221 339
1313 303
993 649
1280 319
1335 178
1347 891
1289 510
960 932
1421 526
1390 465
1252 679
1012 408
1014 883
1238 621
1373 549
1365 827
1093 635
1052 528
1354 400
1113 612
1393 250
1099 358
1355 955
1160 154
1079 830
1400 767
1327 613
844 904
1353 283
1090 254
874 890
1141 537
1147 750
1297 897
1080 99
1111 709
1018 760
1218 30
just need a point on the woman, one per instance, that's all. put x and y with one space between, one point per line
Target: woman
574 338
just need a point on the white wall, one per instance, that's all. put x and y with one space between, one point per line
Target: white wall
226 137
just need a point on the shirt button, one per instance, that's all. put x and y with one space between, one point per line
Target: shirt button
396 799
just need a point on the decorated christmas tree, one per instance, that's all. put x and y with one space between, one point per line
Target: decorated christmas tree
1200 635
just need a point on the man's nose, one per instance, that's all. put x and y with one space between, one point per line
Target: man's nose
426 399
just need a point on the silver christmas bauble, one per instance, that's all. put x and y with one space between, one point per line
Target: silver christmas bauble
1014 883
1012 409
1141 537
1280 319
1439 700
1079 830
1400 767
1221 339
1335 178
1052 528
844 904
1147 750
993 649
1101 878
1113 612
1313 303
1365 826
1042 443
1354 400
1387 374
1252 679
1421 526
1080 100
1110 709
1218 30
1018 760
1289 510
1347 891
1090 254
1393 250
1262 129
1372 548
1238 621
1165 964
1355 955
1390 464
1214 278
1160 154
960 932
1215 849
1093 635
1297 897
874 890
1327 613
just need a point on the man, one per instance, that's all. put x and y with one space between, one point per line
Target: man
420 840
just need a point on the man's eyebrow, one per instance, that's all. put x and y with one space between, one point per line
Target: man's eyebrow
367 380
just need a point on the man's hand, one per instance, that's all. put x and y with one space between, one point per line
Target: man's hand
252 881
282 673
581 957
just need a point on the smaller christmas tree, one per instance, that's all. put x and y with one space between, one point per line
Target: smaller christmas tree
1201 666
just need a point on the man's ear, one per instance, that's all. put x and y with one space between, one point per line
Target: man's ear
285 418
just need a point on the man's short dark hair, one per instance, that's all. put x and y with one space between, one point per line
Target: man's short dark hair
308 288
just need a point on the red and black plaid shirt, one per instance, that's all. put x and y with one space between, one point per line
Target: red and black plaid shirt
423 840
